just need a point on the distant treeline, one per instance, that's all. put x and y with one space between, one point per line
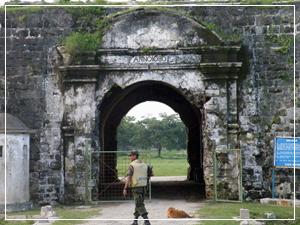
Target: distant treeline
168 132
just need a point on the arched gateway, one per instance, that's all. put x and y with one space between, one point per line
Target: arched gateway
151 55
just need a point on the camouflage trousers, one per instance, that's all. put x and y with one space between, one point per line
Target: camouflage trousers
139 196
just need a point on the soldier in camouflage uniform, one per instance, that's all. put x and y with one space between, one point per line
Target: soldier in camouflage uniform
137 179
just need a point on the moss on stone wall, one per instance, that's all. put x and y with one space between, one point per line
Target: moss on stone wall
285 76
284 41
94 21
90 23
33 8
264 2
81 42
147 50
276 120
232 37
22 9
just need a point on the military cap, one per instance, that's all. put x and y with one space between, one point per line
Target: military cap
134 152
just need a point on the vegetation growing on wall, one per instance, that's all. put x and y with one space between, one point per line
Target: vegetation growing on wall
148 50
22 9
232 37
284 41
264 2
286 76
81 42
90 25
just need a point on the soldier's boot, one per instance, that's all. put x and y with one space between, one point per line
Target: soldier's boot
146 219
135 222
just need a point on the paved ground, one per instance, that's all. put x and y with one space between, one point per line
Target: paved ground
157 210
166 192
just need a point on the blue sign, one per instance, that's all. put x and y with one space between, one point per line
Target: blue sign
284 152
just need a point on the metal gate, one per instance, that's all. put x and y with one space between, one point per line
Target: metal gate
228 175
112 175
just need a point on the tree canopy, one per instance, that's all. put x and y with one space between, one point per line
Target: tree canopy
168 132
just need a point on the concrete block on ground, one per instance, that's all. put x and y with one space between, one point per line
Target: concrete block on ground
251 222
48 215
257 223
47 212
268 201
42 223
270 215
244 214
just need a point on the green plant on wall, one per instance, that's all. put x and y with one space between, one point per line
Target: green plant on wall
90 24
264 2
81 42
276 120
24 10
286 76
64 1
210 26
147 50
284 41
232 37
21 18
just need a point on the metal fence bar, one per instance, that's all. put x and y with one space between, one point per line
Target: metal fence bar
215 175
241 177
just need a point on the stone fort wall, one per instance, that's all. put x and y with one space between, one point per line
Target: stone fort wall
265 90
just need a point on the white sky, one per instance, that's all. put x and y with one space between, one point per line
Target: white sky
149 109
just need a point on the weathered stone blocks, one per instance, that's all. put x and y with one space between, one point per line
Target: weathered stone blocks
66 116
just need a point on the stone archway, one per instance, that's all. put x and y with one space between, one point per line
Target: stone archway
151 50
119 101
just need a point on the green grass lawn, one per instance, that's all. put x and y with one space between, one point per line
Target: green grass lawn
2 222
75 214
171 163
218 210
63 213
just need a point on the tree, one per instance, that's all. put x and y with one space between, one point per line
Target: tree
126 132
154 131
174 132
169 133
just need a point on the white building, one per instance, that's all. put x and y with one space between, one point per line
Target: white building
17 164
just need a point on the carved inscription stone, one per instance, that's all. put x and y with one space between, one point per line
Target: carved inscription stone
146 59
111 59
